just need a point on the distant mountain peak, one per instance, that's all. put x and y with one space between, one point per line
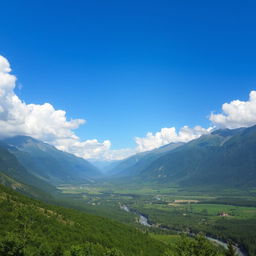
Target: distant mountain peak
20 140
227 132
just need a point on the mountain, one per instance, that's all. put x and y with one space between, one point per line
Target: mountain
14 175
137 163
48 163
224 157
30 227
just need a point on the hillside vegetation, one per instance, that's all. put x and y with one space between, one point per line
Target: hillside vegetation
30 227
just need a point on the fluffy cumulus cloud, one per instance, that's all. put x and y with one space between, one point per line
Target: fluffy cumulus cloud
237 113
169 135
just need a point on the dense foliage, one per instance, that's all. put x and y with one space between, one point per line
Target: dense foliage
29 227
199 246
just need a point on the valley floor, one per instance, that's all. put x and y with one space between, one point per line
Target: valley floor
225 214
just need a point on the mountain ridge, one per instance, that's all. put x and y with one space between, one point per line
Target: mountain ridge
48 163
134 164
226 157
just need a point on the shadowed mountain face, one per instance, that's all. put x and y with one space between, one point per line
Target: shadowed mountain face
14 175
135 164
48 163
224 157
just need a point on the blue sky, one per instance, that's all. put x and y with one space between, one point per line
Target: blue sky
130 67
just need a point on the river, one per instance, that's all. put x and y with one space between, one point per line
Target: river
143 220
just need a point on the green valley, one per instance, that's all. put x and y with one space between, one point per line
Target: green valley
163 198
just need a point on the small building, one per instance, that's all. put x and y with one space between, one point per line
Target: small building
224 214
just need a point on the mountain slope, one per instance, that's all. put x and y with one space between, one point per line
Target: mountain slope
225 157
30 227
50 164
14 175
135 164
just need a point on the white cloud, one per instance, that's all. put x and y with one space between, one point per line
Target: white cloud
169 135
237 113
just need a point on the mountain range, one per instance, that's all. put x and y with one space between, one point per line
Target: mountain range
224 158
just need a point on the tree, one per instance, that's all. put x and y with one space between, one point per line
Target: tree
11 246
231 250
113 252
197 246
